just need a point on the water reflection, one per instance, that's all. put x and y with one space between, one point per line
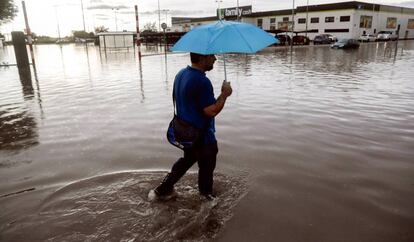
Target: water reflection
18 129
166 72
333 123
141 81
89 65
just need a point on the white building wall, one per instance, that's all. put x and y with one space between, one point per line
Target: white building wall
266 20
184 27
322 25
404 31
379 22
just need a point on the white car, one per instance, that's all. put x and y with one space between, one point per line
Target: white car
367 38
386 35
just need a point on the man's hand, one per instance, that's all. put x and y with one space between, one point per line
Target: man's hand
226 89
215 109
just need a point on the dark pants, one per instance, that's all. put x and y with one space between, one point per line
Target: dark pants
205 156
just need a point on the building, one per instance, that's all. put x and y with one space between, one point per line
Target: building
116 39
344 20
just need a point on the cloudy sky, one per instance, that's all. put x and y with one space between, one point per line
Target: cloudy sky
45 15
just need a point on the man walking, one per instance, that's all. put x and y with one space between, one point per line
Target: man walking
196 105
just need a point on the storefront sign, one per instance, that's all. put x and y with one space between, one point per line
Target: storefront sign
232 12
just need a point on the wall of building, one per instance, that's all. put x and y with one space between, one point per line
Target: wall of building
266 20
335 28
349 27
380 20
185 27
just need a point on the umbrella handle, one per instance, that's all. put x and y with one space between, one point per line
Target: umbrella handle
225 72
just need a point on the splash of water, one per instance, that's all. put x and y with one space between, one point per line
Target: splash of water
115 207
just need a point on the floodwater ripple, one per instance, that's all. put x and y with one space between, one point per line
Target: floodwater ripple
326 136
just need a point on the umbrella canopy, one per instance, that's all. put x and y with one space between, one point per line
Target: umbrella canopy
224 37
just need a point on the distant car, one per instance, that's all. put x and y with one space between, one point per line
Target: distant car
284 39
367 38
331 37
386 36
300 40
321 39
346 44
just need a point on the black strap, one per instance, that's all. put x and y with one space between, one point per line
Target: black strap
173 97
204 129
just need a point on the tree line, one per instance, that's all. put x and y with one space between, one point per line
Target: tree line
8 11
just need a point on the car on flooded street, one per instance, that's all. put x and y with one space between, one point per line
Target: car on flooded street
367 38
300 40
283 38
346 44
324 39
321 39
386 36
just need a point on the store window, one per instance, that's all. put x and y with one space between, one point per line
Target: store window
410 24
391 23
345 18
329 19
314 20
260 23
284 25
301 20
365 22
272 23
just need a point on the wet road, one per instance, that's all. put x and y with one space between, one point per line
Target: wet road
326 137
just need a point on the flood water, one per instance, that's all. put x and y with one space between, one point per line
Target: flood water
317 146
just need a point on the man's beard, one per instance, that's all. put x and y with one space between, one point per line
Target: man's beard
209 68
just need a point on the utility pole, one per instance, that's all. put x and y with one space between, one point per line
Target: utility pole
29 35
83 17
166 15
138 37
293 27
159 17
307 10
237 11
116 19
218 7
57 21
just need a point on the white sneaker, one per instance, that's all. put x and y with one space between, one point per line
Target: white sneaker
152 195
211 199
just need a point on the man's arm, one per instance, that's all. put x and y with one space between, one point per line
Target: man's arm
214 109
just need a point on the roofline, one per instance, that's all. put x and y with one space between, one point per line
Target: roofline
117 33
356 5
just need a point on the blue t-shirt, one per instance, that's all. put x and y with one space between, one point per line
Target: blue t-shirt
193 93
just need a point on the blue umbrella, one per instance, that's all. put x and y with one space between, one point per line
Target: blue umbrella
224 37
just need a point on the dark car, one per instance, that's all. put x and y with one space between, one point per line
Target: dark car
346 44
321 39
283 39
300 40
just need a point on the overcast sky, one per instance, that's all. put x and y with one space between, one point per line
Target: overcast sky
44 15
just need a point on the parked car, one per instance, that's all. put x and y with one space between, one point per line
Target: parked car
346 44
300 40
321 39
331 37
367 38
284 39
386 36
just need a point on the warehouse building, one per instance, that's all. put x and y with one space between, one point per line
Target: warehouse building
344 20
